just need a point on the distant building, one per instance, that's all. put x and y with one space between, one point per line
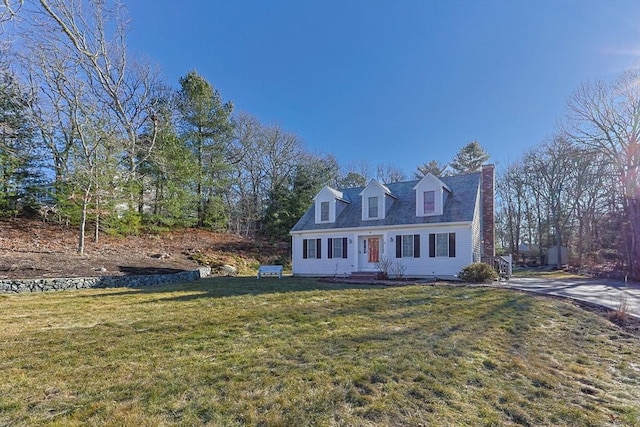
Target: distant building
552 256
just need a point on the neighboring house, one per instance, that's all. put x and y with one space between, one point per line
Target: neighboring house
428 228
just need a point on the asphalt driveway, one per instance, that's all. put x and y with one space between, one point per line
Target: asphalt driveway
606 292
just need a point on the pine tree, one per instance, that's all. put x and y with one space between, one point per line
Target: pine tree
207 130
470 158
16 154
433 167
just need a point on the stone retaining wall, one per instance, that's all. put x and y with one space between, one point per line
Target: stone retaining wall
45 285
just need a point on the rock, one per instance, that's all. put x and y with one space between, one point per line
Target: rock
163 255
100 269
229 270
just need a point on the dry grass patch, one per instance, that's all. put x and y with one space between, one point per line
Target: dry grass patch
547 273
300 352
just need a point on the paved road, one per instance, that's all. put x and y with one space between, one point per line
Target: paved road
605 292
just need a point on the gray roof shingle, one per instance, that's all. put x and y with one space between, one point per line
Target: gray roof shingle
459 206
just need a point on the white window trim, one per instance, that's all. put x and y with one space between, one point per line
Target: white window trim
406 238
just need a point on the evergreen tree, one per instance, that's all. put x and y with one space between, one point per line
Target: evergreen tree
287 203
16 153
433 167
207 129
470 158
170 174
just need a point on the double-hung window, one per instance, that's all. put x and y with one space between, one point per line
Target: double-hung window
373 207
324 211
408 246
442 245
429 203
311 248
338 247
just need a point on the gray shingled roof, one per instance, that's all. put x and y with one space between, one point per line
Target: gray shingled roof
459 206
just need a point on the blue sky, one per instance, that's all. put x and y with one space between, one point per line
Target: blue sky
400 82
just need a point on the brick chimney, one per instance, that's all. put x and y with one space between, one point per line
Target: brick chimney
487 198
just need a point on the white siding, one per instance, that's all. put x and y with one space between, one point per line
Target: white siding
324 266
424 266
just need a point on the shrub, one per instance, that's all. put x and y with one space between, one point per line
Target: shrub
384 266
478 272
128 224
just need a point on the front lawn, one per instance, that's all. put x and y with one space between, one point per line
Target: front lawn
294 352
546 273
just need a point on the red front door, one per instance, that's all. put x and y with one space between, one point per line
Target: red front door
374 249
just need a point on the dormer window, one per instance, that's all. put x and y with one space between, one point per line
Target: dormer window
430 196
429 202
376 201
324 211
329 203
373 207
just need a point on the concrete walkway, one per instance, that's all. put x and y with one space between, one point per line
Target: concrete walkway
606 292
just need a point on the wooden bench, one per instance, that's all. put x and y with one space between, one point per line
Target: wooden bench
270 270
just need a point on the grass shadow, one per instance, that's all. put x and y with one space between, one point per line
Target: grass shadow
223 287
146 271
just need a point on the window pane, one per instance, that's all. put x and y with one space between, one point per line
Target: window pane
311 248
407 246
324 211
429 201
442 244
373 207
337 248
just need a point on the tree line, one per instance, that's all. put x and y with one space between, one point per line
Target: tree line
581 188
93 135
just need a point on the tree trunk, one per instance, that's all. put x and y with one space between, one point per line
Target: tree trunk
96 235
559 247
632 206
83 220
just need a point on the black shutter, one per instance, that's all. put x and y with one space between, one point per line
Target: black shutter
452 245
416 246
398 246
304 248
330 250
344 247
318 248
432 245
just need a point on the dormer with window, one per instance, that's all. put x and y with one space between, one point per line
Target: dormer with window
329 203
430 196
376 201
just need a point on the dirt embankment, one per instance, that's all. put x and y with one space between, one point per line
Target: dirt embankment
33 249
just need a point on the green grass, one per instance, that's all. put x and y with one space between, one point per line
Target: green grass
294 352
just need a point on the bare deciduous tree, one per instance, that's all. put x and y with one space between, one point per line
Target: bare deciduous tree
388 173
9 10
605 116
91 101
92 34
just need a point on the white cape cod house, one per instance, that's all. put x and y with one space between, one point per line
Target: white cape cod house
428 228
